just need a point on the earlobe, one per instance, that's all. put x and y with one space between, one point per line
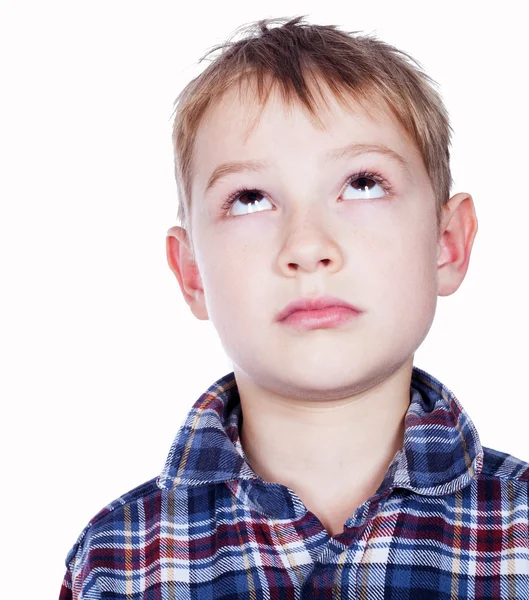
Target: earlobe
182 263
458 231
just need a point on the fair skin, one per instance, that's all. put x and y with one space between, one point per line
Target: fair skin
323 409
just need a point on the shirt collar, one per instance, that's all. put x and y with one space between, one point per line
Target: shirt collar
441 453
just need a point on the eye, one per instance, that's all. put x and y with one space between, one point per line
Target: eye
365 186
245 201
361 186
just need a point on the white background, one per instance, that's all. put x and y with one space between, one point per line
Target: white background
100 357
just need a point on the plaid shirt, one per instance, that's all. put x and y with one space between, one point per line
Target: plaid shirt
449 521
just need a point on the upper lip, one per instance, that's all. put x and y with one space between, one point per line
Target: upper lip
313 304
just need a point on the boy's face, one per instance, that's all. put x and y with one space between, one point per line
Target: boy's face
314 235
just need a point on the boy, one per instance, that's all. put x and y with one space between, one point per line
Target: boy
317 232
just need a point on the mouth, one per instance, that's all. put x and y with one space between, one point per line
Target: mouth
318 313
314 304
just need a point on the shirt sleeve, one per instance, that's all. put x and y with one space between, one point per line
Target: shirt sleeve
66 587
78 583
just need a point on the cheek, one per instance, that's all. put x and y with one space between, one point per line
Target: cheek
403 273
232 284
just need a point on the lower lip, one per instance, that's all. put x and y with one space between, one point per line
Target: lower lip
333 316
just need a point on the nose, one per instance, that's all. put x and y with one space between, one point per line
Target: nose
309 246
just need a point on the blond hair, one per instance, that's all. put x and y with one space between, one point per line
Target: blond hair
296 56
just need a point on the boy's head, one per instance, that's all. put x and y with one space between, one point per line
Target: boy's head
310 162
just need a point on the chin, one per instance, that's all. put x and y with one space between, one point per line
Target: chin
328 382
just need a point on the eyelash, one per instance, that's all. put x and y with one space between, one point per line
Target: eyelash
376 177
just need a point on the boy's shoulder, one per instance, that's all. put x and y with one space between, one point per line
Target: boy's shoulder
113 514
211 416
504 466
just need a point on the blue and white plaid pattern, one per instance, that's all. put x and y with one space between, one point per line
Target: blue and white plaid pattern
449 521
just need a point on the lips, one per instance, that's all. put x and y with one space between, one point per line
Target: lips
314 304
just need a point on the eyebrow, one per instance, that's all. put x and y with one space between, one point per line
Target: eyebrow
350 151
235 167
353 150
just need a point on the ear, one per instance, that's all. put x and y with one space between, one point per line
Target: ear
182 263
459 226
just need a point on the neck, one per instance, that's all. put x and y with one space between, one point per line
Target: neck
340 446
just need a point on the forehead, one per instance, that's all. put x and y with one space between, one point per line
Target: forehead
238 127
